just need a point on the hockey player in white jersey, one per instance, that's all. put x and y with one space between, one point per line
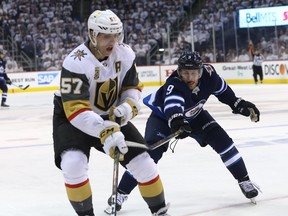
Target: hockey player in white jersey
98 83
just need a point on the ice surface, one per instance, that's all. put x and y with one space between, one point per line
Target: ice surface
195 180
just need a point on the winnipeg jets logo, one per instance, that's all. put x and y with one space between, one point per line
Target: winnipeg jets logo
209 69
192 112
79 54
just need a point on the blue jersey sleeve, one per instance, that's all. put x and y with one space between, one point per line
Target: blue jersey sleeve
169 98
224 93
228 97
174 97
219 87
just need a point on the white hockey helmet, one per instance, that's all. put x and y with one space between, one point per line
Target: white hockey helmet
105 22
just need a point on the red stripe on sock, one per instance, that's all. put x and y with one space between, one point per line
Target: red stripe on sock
77 185
150 182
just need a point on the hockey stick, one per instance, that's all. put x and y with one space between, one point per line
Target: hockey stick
115 177
154 145
20 86
115 182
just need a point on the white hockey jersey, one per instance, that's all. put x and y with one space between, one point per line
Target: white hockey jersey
89 88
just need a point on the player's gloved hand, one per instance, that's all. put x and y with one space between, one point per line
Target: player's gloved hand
111 137
8 81
246 108
126 111
178 122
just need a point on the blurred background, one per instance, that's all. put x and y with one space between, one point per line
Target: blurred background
38 34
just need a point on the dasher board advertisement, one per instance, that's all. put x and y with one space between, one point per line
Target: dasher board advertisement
263 17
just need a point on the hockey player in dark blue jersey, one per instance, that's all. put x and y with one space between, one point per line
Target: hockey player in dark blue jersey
4 80
178 104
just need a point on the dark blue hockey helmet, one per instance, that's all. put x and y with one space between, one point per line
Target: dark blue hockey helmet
190 60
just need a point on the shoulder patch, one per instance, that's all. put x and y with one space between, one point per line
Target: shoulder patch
79 54
208 68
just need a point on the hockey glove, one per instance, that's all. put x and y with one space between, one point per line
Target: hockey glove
8 81
126 111
246 108
111 137
178 122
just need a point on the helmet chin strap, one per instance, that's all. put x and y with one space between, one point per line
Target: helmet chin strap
95 47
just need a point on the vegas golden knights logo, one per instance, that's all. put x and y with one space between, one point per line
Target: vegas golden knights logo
106 94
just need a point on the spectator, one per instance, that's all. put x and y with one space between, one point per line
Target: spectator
243 56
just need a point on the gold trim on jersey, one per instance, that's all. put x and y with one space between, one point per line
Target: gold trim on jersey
73 107
140 86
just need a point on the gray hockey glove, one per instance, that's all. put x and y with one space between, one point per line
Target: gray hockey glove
246 108
178 122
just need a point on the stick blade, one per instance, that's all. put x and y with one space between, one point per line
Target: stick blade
109 210
253 201
26 87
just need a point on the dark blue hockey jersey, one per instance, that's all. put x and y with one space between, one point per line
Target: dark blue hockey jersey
3 74
175 96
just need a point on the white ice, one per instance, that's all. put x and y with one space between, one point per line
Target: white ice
196 181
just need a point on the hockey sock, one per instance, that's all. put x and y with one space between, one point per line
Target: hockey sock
127 183
80 197
234 162
153 194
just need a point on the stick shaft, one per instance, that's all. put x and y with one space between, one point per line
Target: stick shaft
115 181
154 145
20 86
115 175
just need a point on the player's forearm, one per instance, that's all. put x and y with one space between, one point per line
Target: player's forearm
228 97
87 122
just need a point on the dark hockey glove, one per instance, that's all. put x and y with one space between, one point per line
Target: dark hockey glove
246 108
8 81
178 122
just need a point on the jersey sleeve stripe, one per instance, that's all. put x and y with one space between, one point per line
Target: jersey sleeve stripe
174 97
222 88
173 105
73 108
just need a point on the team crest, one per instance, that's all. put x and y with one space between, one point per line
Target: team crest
192 112
106 94
79 54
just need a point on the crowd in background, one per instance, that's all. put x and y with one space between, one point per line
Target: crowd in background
216 14
48 30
